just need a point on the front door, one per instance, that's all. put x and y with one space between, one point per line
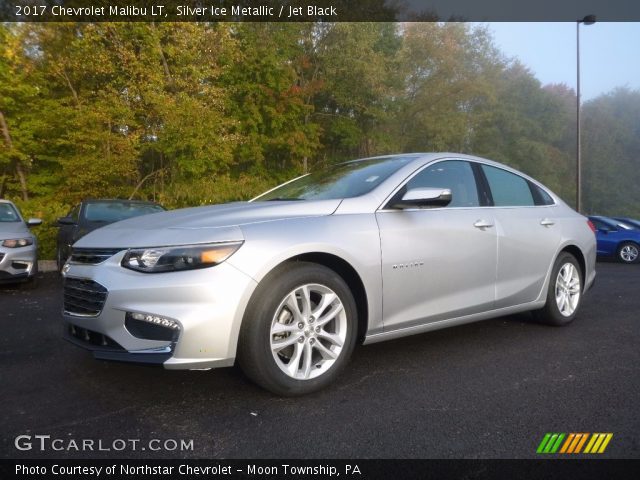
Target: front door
438 263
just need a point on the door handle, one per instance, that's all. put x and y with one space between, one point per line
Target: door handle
545 222
482 224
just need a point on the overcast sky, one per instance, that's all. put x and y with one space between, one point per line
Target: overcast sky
609 52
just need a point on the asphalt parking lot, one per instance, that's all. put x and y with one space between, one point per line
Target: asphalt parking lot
486 390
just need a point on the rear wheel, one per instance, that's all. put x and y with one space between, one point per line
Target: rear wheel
299 330
628 252
564 294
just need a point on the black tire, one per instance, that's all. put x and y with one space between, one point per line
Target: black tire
255 354
30 284
550 314
628 252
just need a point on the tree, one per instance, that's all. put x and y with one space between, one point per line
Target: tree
18 123
611 153
270 97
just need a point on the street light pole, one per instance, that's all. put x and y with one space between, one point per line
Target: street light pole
588 20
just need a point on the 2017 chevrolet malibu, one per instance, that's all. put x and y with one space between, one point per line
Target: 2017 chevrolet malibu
18 245
289 282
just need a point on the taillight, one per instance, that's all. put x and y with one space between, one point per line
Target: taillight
591 226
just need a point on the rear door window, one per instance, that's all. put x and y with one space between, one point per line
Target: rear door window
508 189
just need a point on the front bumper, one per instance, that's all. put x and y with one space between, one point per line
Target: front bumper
207 305
18 263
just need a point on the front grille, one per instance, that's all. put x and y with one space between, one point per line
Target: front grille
92 256
92 339
83 298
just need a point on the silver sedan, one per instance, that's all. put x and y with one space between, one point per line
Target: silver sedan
364 251
18 245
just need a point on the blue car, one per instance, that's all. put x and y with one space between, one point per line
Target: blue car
617 239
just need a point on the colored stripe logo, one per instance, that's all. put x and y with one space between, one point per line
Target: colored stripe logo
574 443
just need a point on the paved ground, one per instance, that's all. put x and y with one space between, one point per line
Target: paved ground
486 390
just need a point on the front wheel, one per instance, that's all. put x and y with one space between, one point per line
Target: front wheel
299 330
564 293
628 252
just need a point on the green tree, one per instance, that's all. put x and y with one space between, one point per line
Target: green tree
271 98
611 153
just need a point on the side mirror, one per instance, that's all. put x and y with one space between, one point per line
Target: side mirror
65 221
424 197
34 222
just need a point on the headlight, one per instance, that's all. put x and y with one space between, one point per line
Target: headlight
17 242
175 259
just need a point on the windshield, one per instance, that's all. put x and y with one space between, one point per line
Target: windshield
624 226
110 212
8 213
345 180
632 222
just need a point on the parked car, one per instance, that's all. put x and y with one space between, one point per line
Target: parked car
18 245
616 239
92 214
632 222
367 250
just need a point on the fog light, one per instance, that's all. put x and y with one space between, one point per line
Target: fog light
151 327
156 320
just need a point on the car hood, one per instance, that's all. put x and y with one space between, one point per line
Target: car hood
214 223
14 230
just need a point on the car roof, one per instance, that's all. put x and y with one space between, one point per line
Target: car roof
119 200
420 157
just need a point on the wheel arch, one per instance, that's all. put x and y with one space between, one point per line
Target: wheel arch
628 240
346 271
579 256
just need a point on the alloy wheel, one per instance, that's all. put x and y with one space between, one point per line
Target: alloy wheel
629 253
568 289
308 331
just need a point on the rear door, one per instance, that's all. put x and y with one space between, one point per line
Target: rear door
528 235
440 262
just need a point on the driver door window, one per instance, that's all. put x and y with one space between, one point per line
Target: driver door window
456 175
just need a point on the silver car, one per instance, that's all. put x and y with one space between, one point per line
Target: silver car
18 246
364 251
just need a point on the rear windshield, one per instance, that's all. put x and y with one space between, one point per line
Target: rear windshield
8 213
109 212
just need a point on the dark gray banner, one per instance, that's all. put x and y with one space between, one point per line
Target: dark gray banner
316 10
